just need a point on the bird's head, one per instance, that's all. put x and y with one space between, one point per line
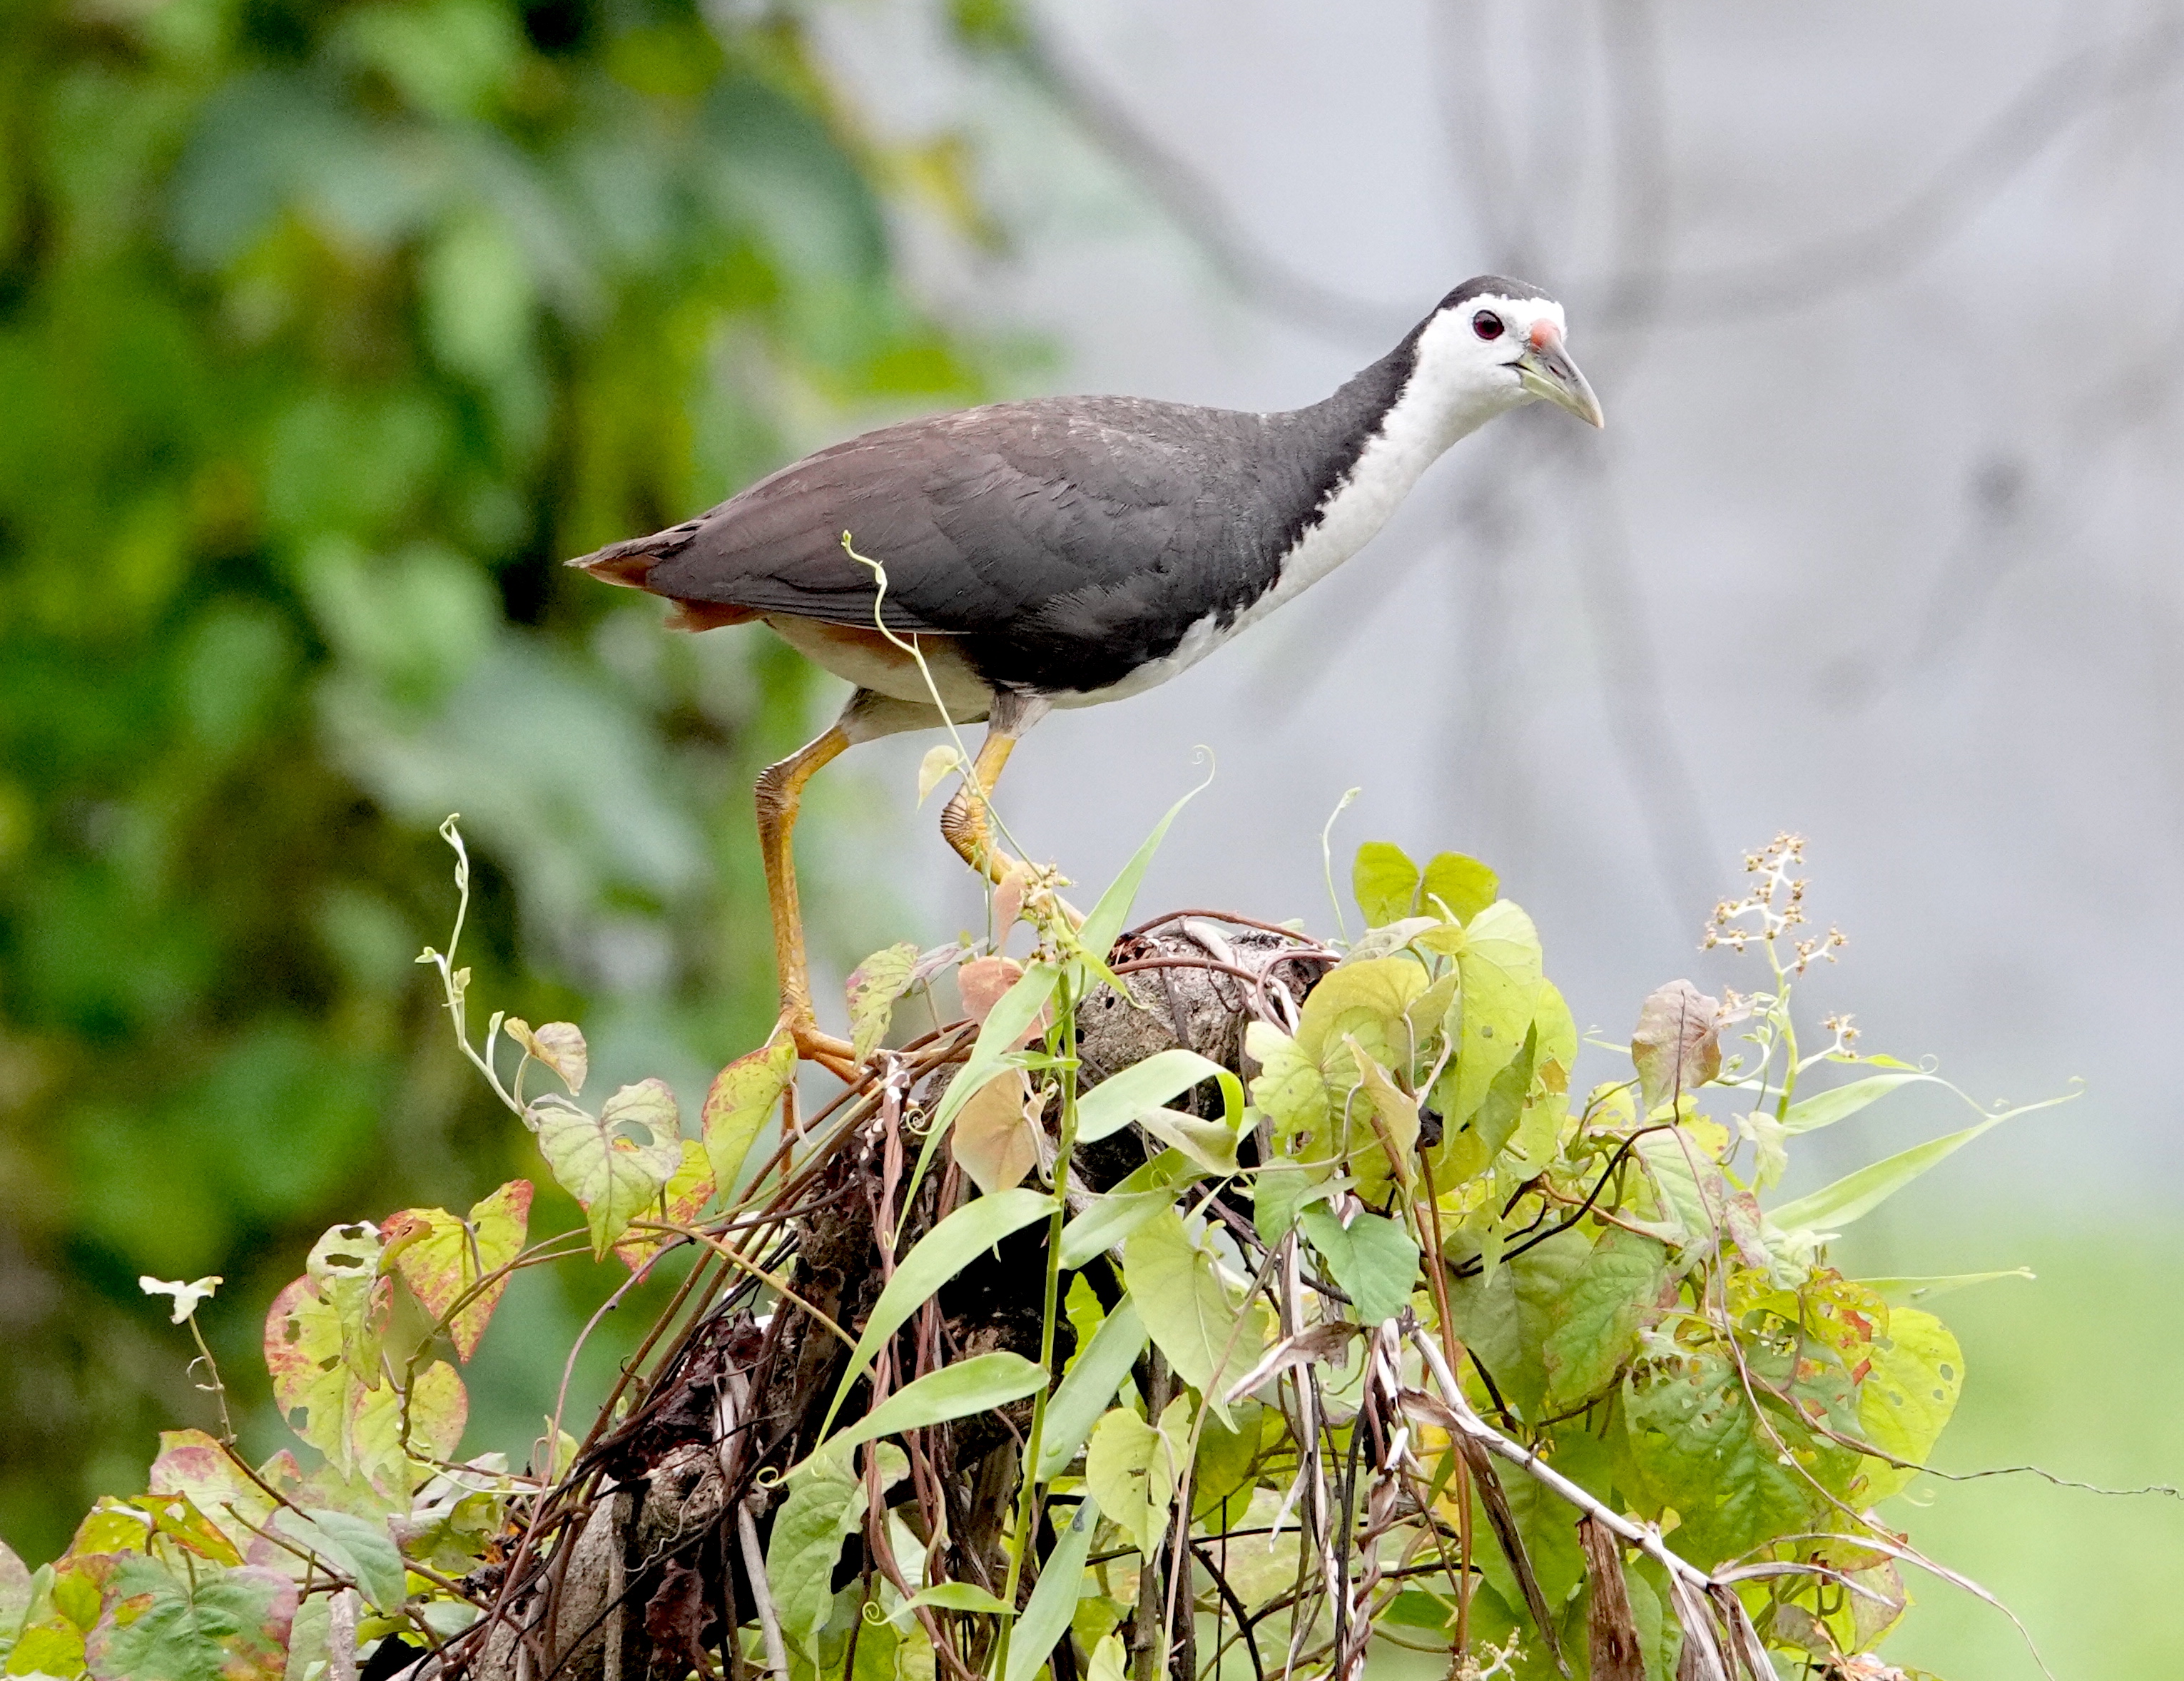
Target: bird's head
1494 343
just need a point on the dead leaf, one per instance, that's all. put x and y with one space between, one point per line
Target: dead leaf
1676 1045
983 981
1611 1631
559 1044
1009 899
996 1136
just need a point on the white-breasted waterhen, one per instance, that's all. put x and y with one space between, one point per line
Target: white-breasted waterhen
1069 550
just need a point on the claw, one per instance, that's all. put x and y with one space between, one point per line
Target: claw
837 1056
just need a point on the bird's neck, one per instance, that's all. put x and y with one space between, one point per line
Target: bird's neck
1365 447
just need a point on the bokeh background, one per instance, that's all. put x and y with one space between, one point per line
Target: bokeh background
327 329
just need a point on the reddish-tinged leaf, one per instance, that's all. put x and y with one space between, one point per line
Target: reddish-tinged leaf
1676 1045
442 1258
1009 899
227 1625
983 981
741 1095
190 1462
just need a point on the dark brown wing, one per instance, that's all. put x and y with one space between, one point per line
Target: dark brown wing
984 520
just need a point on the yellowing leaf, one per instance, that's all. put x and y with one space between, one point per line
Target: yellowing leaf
937 762
1906 1399
559 1044
1498 957
742 1096
442 1259
1366 1000
1288 1091
224 1625
874 989
997 1133
1133 1467
1397 1112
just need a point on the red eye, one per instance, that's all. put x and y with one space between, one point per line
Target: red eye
1487 324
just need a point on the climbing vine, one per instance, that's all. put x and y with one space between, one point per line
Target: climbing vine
1207 1299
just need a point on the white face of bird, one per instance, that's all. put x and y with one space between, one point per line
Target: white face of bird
1487 351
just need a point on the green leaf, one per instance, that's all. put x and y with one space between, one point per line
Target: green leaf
979 1384
1097 936
359 1548
1089 1385
1840 1103
1696 1444
1909 1292
960 1596
1133 1468
1384 880
826 1504
1121 1098
1053 1602
680 1200
1906 1400
1187 1309
1498 960
597 1161
1373 1259
1464 885
738 1105
227 1625
1211 1144
1117 1212
1835 1206
939 1255
1693 1194
442 1259
874 987
1593 1324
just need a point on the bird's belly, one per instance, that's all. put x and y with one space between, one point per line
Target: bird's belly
861 655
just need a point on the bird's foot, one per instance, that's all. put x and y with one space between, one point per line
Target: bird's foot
837 1056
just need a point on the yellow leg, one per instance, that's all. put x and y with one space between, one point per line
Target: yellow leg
780 791
967 825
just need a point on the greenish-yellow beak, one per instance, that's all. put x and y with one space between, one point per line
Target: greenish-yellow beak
1547 372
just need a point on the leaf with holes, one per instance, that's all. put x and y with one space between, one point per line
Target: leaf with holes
1699 1446
597 1160
873 988
1906 1399
444 1259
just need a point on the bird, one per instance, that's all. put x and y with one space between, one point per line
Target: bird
992 564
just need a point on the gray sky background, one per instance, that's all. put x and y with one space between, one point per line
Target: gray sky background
1879 546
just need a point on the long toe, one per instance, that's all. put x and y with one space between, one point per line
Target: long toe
837 1056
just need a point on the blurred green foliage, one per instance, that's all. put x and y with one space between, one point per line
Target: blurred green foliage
326 332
